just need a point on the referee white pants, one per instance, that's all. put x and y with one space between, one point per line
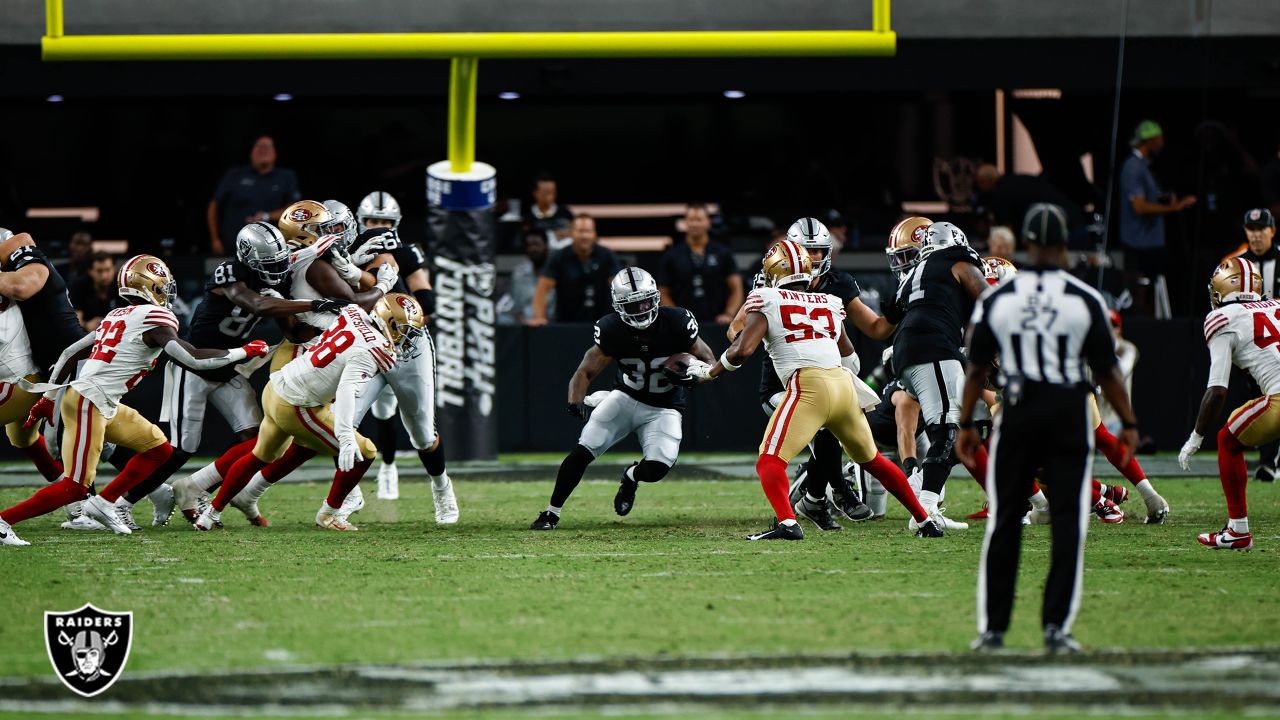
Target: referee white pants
412 385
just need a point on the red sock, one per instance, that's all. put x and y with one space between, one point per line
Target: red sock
1035 487
138 468
232 455
345 480
978 468
1107 443
773 478
45 463
1095 493
236 479
290 461
896 483
1234 474
46 500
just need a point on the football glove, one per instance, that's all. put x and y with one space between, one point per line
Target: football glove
387 276
375 246
697 372
347 270
577 410
256 349
1189 448
347 453
42 410
328 305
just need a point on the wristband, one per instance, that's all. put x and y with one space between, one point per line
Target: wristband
1129 425
724 360
237 354
967 425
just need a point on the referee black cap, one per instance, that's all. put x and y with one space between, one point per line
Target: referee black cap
1259 218
1045 224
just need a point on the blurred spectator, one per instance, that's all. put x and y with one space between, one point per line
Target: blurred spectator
93 295
516 306
1271 183
248 193
1142 209
835 222
699 274
1001 243
1007 197
79 257
546 216
580 275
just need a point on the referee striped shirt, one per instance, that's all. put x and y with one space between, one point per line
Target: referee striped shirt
1045 326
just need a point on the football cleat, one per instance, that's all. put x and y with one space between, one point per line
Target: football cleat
124 513
1056 641
988 641
1039 516
209 519
73 509
328 519
1157 510
780 532
249 506
445 502
547 520
1107 512
817 513
162 504
1227 539
353 504
845 498
9 537
83 522
388 482
105 513
941 520
625 499
202 504
929 529
187 496
1115 494
1265 473
982 514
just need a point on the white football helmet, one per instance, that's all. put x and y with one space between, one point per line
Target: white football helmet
261 247
942 235
342 217
379 205
811 234
635 297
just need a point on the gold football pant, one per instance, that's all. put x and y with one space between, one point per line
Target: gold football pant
1257 422
85 429
310 427
817 398
15 404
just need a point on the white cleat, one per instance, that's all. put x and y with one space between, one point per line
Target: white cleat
353 504
388 482
328 519
83 522
162 504
9 537
1039 517
248 506
187 497
124 513
208 519
446 504
73 509
1157 510
106 513
943 522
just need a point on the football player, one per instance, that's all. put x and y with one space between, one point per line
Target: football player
640 335
312 402
1241 331
804 335
120 352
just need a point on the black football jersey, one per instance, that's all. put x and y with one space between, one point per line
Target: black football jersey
884 420
220 323
51 322
931 309
834 282
641 353
409 256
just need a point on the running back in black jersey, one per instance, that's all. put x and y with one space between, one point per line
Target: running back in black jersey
640 354
220 323
931 309
51 322
834 282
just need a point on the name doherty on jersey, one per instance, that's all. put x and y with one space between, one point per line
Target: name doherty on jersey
465 349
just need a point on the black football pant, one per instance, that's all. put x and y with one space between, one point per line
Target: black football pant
824 468
1046 434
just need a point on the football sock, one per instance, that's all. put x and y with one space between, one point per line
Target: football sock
630 473
254 490
116 455
773 478
877 497
555 510
38 453
569 475
159 477
648 471
1110 446
207 477
1145 489
137 470
233 454
1233 473
46 500
1239 525
1096 490
388 435
433 460
237 478
292 459
787 521
896 483
813 500
978 468
344 481
929 500
1039 501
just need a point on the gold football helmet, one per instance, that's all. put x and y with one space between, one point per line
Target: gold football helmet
401 318
146 278
306 221
787 263
997 270
1235 280
904 243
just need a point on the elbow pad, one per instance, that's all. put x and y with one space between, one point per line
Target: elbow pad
426 298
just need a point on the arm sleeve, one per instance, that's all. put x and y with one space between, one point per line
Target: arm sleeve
175 350
1220 360
160 317
26 255
355 376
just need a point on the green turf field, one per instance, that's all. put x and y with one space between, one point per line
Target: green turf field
674 579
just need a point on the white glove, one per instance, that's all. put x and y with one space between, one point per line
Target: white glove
374 247
347 453
387 276
1189 448
595 398
700 371
347 270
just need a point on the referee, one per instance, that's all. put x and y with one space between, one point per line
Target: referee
1044 326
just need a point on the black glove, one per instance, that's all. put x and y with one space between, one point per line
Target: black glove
577 410
910 465
328 305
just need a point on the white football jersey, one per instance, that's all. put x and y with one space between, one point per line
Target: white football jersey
300 289
803 328
15 349
311 379
120 356
1254 330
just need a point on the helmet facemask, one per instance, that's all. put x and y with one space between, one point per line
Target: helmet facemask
639 309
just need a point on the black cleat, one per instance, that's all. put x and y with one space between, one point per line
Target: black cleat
817 513
850 504
1265 473
547 520
1056 641
929 529
780 532
988 641
626 497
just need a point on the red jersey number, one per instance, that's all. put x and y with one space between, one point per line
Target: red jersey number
1264 331
332 343
109 335
804 324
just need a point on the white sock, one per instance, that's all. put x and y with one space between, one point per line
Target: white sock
555 510
916 480
256 487
929 500
1039 501
788 522
1145 490
388 464
813 500
877 497
206 477
1239 525
440 482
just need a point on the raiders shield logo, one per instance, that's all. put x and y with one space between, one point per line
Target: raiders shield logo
88 647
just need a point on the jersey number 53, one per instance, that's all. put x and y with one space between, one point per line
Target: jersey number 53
807 324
